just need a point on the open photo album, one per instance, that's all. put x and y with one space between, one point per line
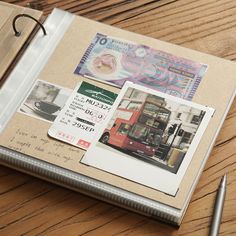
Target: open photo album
118 116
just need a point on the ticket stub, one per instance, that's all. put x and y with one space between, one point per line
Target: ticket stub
82 115
115 61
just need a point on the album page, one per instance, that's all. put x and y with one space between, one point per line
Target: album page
54 120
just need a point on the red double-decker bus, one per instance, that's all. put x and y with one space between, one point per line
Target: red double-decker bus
137 126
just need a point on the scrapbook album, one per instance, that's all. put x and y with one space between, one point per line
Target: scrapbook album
119 116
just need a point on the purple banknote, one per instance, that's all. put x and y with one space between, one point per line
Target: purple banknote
114 61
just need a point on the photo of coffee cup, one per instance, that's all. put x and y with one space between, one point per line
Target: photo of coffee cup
47 107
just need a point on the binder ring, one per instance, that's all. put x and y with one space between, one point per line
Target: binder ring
17 33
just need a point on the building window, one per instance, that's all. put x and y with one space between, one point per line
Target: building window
179 115
186 138
195 120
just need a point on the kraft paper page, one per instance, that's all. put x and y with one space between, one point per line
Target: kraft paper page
29 135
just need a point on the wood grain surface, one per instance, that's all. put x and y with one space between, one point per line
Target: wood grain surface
10 46
29 206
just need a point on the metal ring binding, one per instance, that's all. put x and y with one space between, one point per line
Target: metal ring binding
17 33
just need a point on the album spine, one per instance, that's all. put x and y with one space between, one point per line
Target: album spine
89 186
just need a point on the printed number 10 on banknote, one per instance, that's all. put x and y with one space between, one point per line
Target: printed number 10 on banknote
114 61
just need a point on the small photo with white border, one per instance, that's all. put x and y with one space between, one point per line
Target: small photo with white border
44 101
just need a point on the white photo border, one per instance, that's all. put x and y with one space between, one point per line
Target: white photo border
138 171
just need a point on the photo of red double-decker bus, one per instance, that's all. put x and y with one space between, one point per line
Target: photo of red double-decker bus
137 125
152 129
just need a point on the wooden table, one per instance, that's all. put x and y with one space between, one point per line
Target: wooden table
29 206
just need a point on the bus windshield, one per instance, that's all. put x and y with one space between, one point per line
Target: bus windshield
145 135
